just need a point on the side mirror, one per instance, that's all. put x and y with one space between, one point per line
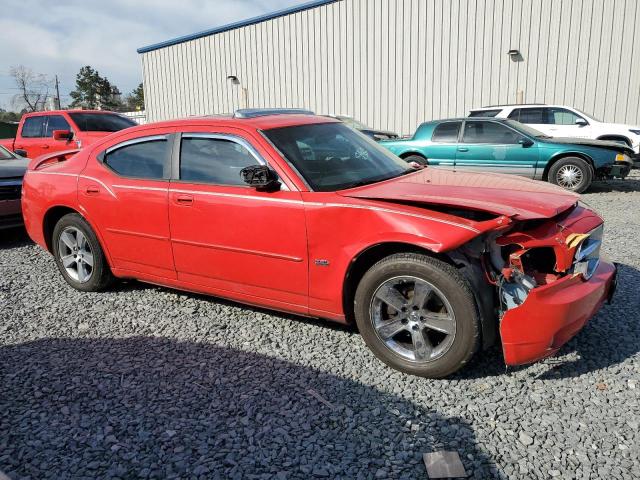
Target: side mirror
20 152
62 135
260 177
581 122
526 142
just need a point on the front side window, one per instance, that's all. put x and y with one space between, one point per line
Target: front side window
489 132
528 115
332 156
33 127
101 122
144 159
56 122
213 160
446 132
561 116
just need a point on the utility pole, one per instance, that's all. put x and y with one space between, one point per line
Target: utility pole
57 93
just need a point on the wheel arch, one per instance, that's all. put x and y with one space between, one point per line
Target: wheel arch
560 156
411 153
53 216
365 259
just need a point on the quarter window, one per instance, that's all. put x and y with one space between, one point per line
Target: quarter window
33 127
213 160
485 113
145 159
489 132
446 132
56 122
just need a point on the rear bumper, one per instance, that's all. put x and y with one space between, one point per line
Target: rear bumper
552 314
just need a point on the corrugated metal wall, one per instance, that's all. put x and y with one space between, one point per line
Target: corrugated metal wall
395 63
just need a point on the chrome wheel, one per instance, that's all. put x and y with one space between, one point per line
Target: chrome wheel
75 254
413 319
569 176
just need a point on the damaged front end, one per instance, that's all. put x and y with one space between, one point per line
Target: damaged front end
548 279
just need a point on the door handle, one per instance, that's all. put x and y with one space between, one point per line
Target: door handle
45 147
184 200
92 190
463 149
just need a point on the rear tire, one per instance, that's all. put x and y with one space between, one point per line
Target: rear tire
433 329
571 173
419 159
79 256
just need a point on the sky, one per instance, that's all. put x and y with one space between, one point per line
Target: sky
57 38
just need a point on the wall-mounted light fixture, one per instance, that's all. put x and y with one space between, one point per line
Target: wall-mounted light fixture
515 55
245 93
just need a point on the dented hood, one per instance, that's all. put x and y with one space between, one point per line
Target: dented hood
508 195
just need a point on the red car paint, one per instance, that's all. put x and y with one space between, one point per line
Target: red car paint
291 250
35 146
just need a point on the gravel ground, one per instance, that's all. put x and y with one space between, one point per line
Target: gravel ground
145 382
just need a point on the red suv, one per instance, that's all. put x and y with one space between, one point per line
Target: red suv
300 213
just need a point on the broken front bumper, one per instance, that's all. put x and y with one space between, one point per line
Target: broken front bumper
553 313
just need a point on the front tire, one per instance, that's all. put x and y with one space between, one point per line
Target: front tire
79 256
418 315
571 173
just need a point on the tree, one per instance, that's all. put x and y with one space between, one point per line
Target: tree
9 116
33 87
135 100
93 91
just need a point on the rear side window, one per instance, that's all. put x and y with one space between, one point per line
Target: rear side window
33 127
529 115
143 159
446 132
485 113
213 160
56 122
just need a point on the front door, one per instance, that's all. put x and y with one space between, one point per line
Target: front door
493 147
124 189
441 151
562 123
228 237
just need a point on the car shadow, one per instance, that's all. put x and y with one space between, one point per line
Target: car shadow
147 407
14 238
630 184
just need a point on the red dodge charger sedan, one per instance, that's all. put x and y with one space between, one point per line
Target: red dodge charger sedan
300 213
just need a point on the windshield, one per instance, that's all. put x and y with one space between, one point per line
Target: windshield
101 122
352 122
332 156
5 154
591 117
526 129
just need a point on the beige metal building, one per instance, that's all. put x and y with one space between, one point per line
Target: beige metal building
395 63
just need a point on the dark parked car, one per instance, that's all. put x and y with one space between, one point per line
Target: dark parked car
377 135
12 168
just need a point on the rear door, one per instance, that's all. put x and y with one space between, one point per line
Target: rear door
487 146
535 117
124 189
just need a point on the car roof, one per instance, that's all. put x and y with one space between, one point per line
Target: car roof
76 110
265 122
518 105
468 119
